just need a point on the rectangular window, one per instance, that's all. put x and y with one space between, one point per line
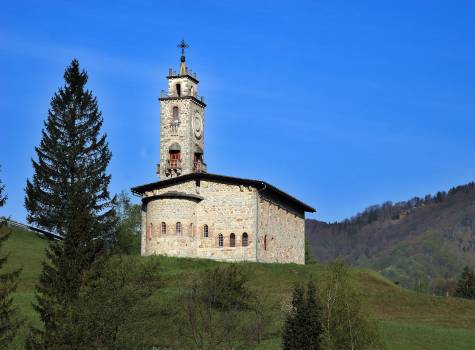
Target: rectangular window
174 158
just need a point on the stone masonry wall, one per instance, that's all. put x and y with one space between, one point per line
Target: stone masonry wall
183 135
226 209
173 241
143 226
281 233
188 86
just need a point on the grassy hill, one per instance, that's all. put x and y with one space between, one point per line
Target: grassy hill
408 320
420 243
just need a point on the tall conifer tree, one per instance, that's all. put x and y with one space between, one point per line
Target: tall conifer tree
302 327
9 322
69 195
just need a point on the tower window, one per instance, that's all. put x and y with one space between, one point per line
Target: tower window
164 229
174 156
198 162
178 228
245 240
232 240
174 159
178 89
220 240
175 118
205 231
265 242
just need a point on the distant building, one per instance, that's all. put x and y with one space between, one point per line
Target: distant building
191 213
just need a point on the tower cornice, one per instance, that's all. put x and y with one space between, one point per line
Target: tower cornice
178 76
194 99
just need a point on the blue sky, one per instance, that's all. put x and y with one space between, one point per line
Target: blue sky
343 104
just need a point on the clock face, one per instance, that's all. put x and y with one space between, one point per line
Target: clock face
198 125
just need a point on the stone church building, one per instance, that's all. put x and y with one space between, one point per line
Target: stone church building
192 213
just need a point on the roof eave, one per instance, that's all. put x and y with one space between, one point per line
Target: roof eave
140 190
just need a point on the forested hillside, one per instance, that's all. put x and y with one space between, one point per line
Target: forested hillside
422 243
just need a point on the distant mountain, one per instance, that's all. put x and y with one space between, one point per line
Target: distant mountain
422 243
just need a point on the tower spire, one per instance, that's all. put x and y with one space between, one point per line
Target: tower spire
183 45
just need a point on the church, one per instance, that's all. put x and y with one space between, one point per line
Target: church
193 213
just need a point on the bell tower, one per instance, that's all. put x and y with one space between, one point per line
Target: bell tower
181 123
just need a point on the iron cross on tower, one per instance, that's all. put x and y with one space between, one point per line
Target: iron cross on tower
183 45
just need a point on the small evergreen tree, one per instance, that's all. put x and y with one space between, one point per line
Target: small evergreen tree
302 327
69 195
313 323
466 284
9 321
292 335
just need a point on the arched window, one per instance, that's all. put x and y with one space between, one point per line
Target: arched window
220 240
232 240
150 231
265 242
205 231
178 89
175 113
175 155
178 228
245 240
164 229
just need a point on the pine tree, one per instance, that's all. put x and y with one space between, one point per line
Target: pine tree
290 336
466 284
69 195
9 321
302 327
313 323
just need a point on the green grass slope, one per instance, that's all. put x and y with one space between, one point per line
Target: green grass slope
26 250
409 320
